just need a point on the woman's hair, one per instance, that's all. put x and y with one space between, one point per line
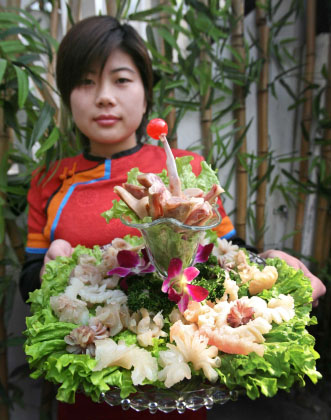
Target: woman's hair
90 42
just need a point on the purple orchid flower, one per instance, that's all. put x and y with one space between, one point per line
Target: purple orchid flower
203 253
177 284
131 263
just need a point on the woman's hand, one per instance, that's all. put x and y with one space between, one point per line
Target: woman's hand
318 287
58 248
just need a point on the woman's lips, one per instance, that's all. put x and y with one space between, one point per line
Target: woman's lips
106 120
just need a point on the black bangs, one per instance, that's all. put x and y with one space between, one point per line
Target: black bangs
100 48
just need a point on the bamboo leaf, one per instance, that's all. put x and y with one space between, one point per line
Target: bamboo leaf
6 17
147 13
23 86
51 140
150 36
167 36
42 124
12 46
3 65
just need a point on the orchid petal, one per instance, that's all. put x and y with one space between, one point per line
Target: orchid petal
190 273
145 256
183 303
175 267
203 253
165 285
149 269
197 293
119 271
128 259
173 295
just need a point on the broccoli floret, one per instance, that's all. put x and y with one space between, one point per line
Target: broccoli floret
145 292
212 278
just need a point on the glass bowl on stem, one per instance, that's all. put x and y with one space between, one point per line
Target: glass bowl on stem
168 238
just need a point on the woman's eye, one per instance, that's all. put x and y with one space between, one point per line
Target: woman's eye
87 82
122 80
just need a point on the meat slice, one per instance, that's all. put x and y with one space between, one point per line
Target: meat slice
212 195
138 191
138 206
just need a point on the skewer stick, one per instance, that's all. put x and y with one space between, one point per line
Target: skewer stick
174 181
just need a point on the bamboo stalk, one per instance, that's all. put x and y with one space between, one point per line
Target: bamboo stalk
171 117
4 145
54 20
4 411
322 241
262 126
76 8
111 7
206 112
306 119
237 41
171 121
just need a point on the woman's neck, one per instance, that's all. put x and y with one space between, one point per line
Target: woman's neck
107 150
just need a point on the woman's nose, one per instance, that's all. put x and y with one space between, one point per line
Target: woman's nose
105 95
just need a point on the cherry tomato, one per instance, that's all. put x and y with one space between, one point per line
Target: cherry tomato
156 127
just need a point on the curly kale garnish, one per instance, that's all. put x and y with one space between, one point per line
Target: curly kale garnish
212 278
145 292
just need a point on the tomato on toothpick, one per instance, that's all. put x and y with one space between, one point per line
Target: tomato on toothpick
156 127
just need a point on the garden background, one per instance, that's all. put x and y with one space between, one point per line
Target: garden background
245 83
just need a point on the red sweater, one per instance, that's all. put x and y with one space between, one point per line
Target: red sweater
67 201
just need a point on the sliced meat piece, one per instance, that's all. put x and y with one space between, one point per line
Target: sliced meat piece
193 192
158 194
212 195
138 206
177 208
138 191
199 214
149 179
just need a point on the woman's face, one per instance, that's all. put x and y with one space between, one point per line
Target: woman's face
108 107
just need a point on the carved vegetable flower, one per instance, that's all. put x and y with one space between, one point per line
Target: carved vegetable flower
177 284
131 263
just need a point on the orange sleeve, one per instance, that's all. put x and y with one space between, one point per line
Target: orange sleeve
37 243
